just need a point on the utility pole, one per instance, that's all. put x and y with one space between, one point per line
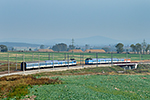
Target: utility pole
53 61
97 59
111 58
49 56
23 65
64 56
16 61
83 60
68 60
8 65
39 61
33 57
73 47
126 58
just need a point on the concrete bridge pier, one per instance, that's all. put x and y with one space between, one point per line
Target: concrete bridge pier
127 66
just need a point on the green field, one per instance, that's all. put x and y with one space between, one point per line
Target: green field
96 87
80 84
36 56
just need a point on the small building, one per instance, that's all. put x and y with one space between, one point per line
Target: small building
45 50
95 51
76 50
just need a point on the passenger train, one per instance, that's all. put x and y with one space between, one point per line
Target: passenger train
89 61
72 62
47 63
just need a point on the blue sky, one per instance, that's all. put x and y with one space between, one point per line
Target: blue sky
39 20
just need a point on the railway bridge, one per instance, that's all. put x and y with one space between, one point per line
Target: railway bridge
127 66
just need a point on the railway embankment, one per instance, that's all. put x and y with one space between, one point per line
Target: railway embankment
27 72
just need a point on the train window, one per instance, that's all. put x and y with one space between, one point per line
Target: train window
36 64
56 63
29 65
49 63
42 63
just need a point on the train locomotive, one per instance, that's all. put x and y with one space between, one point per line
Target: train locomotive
90 61
47 63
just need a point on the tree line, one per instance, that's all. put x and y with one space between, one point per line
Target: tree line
62 47
136 48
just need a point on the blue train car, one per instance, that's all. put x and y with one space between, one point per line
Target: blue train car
47 63
90 61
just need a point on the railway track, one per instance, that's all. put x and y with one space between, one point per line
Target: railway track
33 71
6 72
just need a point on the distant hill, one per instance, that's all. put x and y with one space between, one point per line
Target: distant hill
17 44
92 41
95 40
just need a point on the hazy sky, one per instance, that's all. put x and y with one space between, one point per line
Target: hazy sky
52 19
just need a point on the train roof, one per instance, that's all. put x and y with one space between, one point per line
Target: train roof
106 58
49 61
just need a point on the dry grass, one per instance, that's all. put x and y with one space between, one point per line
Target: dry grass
16 85
12 66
